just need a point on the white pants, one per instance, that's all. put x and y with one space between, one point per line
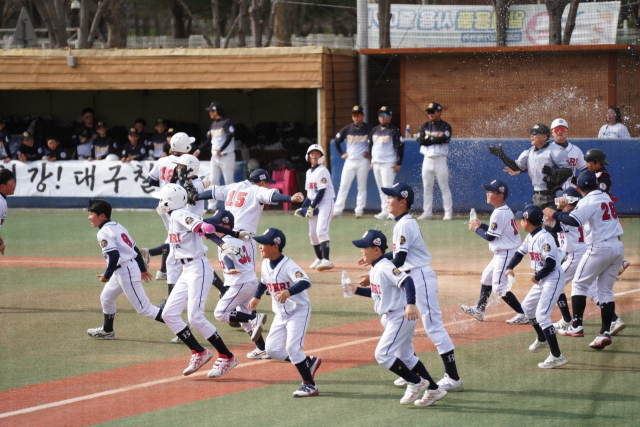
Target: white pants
236 298
385 177
127 279
286 336
319 224
426 283
493 274
223 166
396 341
191 291
600 263
542 298
436 168
358 168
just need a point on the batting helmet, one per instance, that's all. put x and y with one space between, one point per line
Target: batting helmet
191 162
595 155
315 147
172 197
181 142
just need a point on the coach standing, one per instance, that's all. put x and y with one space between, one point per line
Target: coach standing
387 149
434 138
357 161
221 138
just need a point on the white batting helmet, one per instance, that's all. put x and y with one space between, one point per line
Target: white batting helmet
191 162
112 157
181 142
172 197
315 147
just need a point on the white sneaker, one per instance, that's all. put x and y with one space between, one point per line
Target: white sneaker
99 333
561 324
518 319
601 341
325 264
616 327
256 326
571 331
449 384
413 391
473 311
258 354
161 276
222 366
448 217
425 216
197 361
315 263
538 346
358 214
306 390
552 362
176 340
430 397
381 215
146 257
624 266
400 382
336 214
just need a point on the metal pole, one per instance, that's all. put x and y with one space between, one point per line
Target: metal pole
362 41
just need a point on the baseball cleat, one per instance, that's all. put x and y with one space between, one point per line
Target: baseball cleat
601 341
538 346
256 326
572 331
258 354
222 366
425 216
315 365
561 324
197 361
325 264
235 324
99 333
315 263
474 311
358 214
518 319
413 391
616 326
448 217
176 340
448 384
146 257
430 397
161 275
336 214
306 390
400 382
552 362
624 266
381 215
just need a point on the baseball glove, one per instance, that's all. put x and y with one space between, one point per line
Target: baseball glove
191 192
555 176
499 152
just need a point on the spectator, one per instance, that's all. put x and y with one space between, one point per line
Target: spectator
614 127
83 135
139 125
5 153
29 150
155 144
133 150
103 145
53 151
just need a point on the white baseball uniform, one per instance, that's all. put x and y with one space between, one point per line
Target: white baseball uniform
407 237
289 327
319 178
355 165
126 278
3 209
542 297
502 226
163 169
575 160
384 156
226 163
572 245
532 160
616 131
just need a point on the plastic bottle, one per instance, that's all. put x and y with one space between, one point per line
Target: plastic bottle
407 132
510 281
472 214
346 281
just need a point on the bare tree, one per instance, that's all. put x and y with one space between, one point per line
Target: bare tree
384 22
501 7
571 21
193 18
555 9
215 11
54 18
255 13
272 18
180 22
243 22
284 20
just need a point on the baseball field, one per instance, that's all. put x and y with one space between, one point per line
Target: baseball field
53 373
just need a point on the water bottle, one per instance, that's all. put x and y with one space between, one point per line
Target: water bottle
472 214
407 132
510 281
346 281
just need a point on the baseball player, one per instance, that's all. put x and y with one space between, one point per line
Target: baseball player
125 270
221 139
410 255
614 127
193 286
575 158
504 240
434 137
240 278
155 144
7 188
548 283
290 303
357 161
394 299
318 206
597 216
134 149
103 144
546 163
387 149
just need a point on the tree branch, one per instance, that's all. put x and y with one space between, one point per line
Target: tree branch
186 9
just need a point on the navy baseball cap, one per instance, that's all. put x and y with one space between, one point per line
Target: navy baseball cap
433 107
372 238
587 180
272 236
531 213
260 175
133 131
385 110
215 106
223 217
357 109
570 191
498 187
400 190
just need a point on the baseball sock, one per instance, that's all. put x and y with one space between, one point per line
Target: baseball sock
108 322
324 249
512 301
421 371
542 337
564 307
485 293
318 251
238 316
187 337
552 339
578 303
159 250
163 264
219 284
159 315
219 345
614 318
401 370
260 343
304 368
170 287
449 360
606 311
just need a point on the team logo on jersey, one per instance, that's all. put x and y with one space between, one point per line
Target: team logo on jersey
396 272
323 180
103 243
377 241
276 241
402 240
299 274
547 248
189 220
494 226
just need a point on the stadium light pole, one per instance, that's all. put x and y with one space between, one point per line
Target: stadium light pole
362 42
